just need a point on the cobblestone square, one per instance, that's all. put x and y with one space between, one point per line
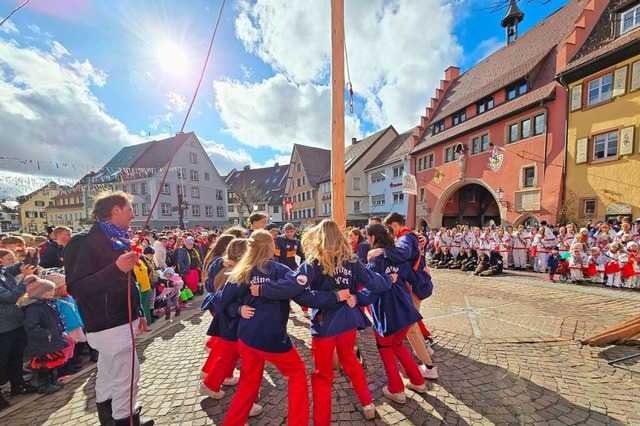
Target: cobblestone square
506 348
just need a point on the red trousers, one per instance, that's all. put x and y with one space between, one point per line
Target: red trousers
192 279
290 365
423 329
220 363
391 348
322 349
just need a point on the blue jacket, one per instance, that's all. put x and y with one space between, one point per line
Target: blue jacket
10 291
286 251
51 255
391 310
553 261
69 313
44 328
407 249
363 250
331 319
267 329
224 323
214 268
186 260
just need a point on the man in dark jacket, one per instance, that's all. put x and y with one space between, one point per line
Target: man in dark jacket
51 254
98 265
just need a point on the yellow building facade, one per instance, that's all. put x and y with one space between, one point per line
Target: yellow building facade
33 208
603 130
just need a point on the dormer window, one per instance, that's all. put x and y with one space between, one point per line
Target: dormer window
485 105
459 117
438 127
517 89
630 19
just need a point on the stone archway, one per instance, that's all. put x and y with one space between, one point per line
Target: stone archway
421 223
526 220
469 202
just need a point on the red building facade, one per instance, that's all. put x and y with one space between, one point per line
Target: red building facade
491 147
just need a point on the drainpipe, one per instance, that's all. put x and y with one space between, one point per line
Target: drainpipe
546 143
566 139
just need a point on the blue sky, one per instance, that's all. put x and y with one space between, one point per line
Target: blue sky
79 79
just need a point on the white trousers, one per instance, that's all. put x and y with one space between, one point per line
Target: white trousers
114 368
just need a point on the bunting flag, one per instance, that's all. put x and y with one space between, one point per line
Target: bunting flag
409 184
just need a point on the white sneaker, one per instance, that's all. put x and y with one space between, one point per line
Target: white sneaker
398 397
203 390
256 410
230 381
203 375
369 411
430 350
417 388
429 373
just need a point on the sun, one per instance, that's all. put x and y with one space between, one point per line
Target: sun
172 58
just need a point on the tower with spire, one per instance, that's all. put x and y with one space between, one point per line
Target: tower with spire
511 20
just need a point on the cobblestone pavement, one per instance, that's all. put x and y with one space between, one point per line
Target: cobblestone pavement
507 349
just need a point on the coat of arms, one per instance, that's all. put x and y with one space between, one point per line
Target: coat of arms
496 159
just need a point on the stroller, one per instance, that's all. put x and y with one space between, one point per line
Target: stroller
563 270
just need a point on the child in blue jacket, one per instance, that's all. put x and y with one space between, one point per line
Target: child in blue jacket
553 262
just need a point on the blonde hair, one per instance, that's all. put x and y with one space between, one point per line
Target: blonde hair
235 250
260 248
327 245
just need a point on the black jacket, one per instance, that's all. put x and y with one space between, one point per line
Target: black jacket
51 255
44 328
96 283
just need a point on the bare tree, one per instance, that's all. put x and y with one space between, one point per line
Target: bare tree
497 5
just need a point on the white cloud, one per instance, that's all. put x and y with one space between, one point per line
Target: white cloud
48 112
58 50
9 28
397 50
177 102
484 49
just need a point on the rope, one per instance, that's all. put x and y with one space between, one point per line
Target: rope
346 55
14 11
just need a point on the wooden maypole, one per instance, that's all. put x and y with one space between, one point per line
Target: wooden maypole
337 113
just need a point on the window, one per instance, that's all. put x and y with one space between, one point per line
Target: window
298 182
475 145
448 154
304 196
43 215
517 89
299 167
425 162
220 211
193 158
39 203
377 200
134 188
538 124
180 189
485 105
231 208
525 128
208 211
459 117
356 206
134 208
218 194
276 209
143 188
422 195
397 171
438 127
378 176
326 187
195 210
589 207
261 207
30 214
356 183
195 192
398 198
194 175
166 209
182 173
529 177
145 209
605 146
166 188
600 90
206 176
513 132
630 19
484 145
326 208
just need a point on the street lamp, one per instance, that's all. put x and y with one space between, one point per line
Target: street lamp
500 196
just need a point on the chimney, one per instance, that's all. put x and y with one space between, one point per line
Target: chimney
247 167
354 141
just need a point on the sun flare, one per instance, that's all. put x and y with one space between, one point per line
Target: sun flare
172 58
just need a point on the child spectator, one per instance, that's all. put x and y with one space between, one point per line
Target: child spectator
171 292
471 262
596 262
47 343
612 266
495 264
553 261
577 261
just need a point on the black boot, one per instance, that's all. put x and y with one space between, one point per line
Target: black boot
137 421
53 378
44 383
104 412
3 403
93 355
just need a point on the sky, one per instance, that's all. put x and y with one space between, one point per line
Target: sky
80 79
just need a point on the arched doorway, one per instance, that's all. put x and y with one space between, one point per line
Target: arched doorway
526 220
421 224
471 204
